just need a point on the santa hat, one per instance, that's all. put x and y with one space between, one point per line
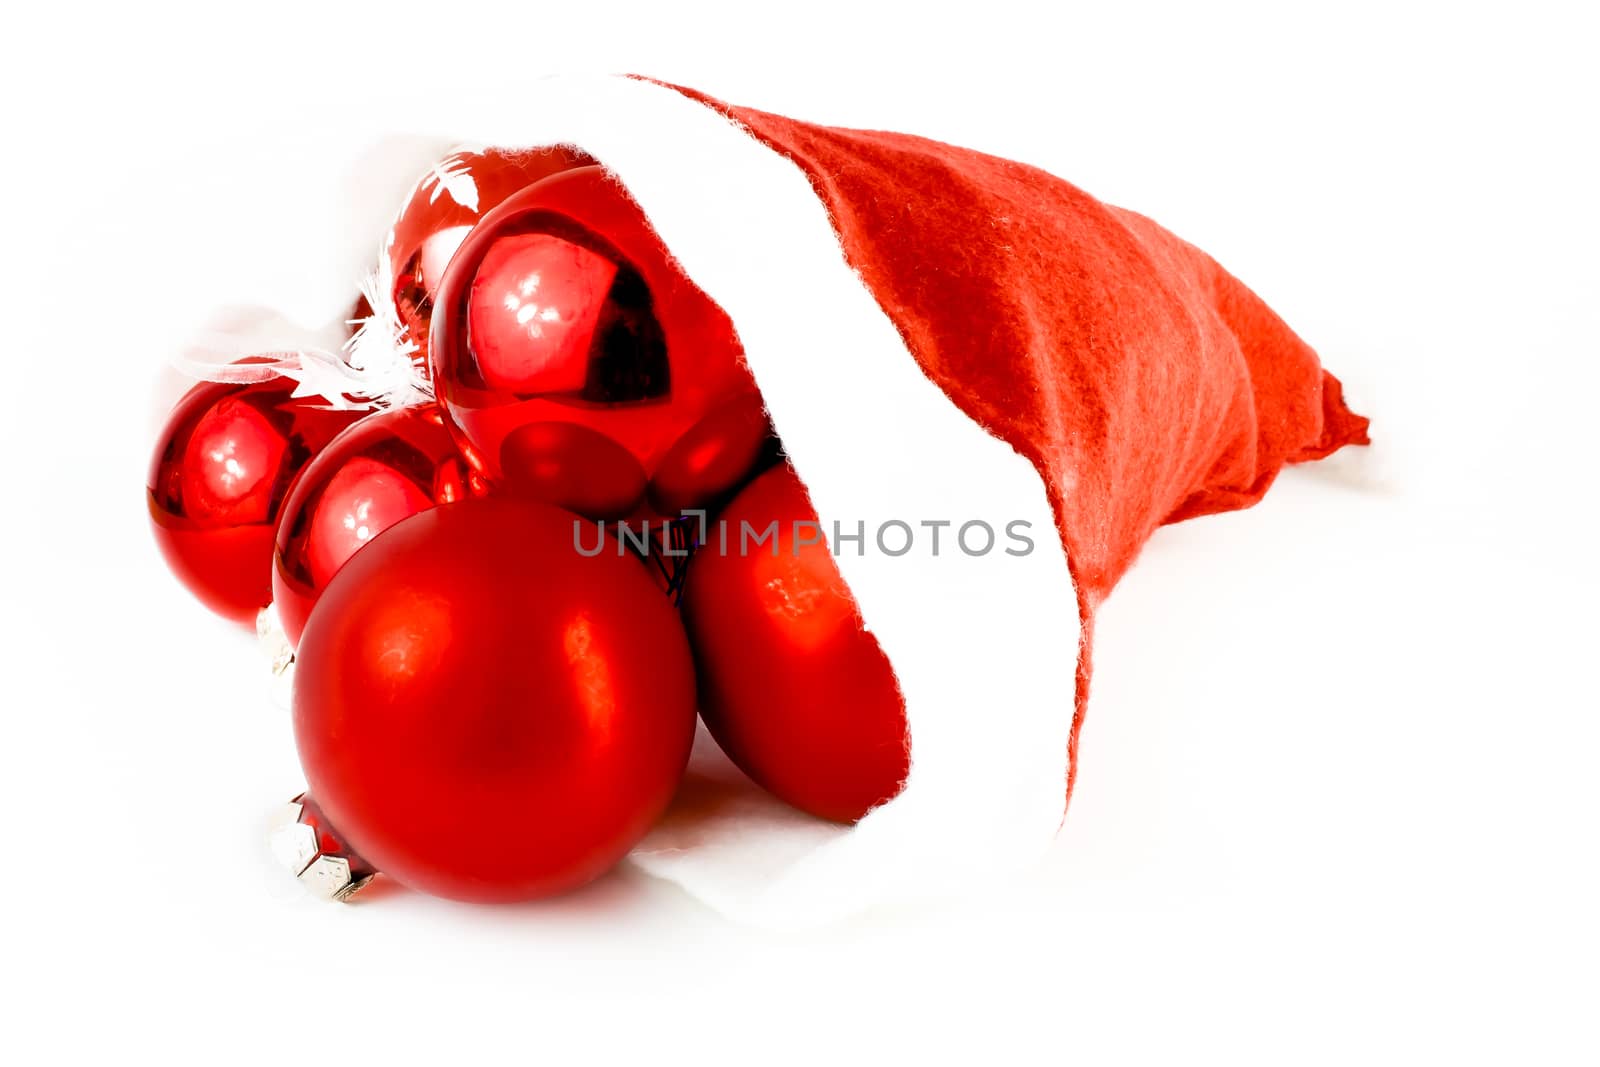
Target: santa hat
938 335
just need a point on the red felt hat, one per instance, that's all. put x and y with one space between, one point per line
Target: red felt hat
939 335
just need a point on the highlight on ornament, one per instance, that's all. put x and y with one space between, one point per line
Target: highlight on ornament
534 522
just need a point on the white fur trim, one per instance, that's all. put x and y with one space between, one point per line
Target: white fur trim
985 648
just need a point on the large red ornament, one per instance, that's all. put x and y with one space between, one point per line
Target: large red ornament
792 688
385 468
487 714
221 470
581 367
447 202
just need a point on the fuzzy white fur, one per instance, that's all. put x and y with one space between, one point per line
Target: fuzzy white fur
985 648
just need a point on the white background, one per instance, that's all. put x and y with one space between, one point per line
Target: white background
1338 786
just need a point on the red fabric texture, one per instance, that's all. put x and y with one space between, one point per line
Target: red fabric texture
1146 383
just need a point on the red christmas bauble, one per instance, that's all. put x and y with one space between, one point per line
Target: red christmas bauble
581 367
385 468
792 687
221 470
448 202
487 714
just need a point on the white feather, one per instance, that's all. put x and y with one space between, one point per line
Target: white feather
450 175
376 370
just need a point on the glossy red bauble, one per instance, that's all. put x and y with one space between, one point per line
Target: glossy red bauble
575 359
792 687
449 201
487 714
385 468
221 470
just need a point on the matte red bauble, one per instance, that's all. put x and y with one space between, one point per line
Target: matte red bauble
486 714
221 470
581 367
448 202
385 468
795 691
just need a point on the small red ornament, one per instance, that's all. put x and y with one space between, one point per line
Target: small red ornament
449 201
385 468
581 367
221 470
486 714
792 688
